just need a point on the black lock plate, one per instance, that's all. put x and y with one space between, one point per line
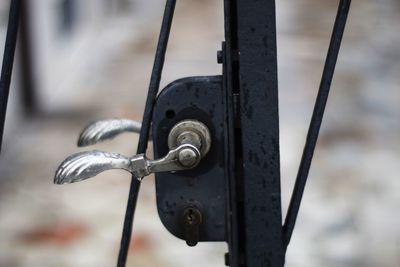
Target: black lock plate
204 187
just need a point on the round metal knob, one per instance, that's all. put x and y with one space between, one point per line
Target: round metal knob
190 132
187 157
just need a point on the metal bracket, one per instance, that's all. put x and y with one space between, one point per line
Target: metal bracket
202 188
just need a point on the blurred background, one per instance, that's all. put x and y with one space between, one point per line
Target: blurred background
79 61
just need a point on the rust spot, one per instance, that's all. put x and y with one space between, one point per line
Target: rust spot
140 242
61 234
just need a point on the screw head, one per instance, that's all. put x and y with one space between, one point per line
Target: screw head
220 58
187 157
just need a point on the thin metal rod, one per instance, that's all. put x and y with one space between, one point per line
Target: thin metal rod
8 61
316 120
27 61
146 123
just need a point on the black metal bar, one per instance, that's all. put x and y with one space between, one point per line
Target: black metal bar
8 61
28 83
232 142
146 123
316 120
259 118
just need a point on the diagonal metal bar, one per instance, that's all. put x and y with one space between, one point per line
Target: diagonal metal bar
146 123
316 120
8 61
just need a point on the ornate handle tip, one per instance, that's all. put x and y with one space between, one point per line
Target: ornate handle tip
85 165
103 130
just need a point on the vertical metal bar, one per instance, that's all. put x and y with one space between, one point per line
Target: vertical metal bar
316 120
28 87
146 123
231 85
256 30
8 62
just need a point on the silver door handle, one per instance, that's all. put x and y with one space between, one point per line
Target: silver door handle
189 141
102 130
85 165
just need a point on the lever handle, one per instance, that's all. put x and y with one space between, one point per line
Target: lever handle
102 130
189 141
85 165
